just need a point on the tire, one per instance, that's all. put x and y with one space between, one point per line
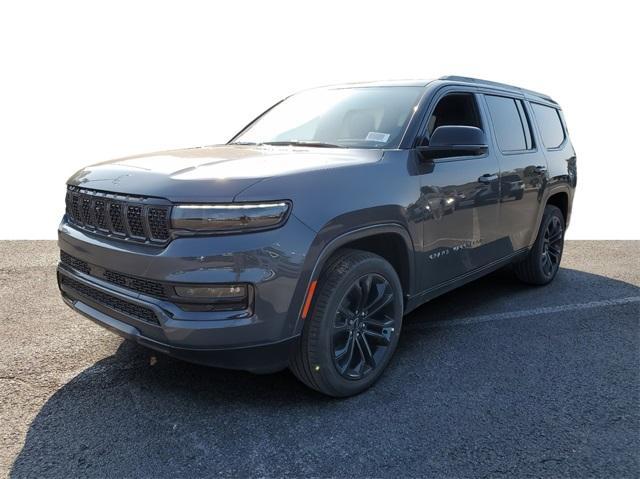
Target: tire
342 351
543 261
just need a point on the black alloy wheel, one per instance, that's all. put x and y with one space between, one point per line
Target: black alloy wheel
353 326
552 246
542 262
363 327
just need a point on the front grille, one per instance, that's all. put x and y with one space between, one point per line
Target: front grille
150 288
115 214
75 263
158 221
111 302
75 206
144 286
134 218
100 212
86 212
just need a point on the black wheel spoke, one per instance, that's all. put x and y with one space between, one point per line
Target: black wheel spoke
359 369
365 289
387 322
378 337
555 236
345 311
346 357
545 263
341 327
357 292
383 298
366 351
554 253
340 352
555 248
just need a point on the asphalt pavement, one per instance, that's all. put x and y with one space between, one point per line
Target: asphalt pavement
496 379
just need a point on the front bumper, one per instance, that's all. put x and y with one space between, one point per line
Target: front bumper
264 358
258 340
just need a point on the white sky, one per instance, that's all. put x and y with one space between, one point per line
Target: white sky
83 82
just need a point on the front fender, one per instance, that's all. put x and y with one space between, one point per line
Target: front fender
330 239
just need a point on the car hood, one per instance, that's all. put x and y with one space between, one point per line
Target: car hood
213 173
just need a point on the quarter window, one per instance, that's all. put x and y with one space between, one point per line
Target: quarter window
550 125
509 123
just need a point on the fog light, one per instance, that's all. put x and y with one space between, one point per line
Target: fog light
225 292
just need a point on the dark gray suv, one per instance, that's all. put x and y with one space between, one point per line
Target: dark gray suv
305 240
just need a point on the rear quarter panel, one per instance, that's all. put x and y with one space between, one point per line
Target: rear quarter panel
562 173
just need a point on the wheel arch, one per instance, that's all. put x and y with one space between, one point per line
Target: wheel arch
391 246
391 241
559 195
560 199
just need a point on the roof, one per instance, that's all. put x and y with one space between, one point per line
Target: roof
420 83
447 78
493 84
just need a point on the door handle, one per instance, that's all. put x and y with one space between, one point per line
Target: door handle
487 178
541 169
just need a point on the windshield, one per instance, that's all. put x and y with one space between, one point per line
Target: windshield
363 117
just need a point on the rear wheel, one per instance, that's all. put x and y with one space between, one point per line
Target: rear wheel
353 329
543 261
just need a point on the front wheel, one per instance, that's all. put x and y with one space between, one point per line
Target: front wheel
353 330
543 261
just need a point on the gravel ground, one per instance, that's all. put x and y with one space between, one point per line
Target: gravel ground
495 379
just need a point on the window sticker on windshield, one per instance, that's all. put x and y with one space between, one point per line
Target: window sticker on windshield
376 136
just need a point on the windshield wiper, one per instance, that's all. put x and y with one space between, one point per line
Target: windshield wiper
318 144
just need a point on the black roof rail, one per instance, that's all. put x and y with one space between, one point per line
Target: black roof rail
478 81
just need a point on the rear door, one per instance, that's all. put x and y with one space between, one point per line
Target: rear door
523 168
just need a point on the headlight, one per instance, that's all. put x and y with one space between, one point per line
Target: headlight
229 217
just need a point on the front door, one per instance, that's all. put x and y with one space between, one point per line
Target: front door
459 198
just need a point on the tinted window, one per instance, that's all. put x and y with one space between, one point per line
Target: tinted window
506 123
550 126
456 109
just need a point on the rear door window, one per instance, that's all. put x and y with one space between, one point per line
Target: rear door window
507 123
550 125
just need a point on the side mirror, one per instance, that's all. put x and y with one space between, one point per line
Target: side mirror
448 141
